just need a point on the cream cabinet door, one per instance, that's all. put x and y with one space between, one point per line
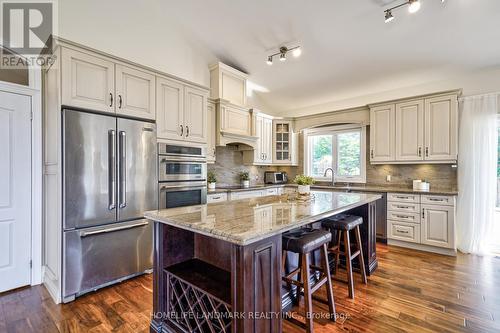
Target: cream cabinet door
438 226
87 81
441 131
195 114
260 145
267 140
170 109
410 131
211 128
135 92
382 133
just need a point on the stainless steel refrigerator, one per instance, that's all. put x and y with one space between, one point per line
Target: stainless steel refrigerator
109 180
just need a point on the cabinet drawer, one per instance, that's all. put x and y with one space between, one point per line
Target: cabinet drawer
442 200
403 197
403 217
271 191
217 197
403 207
407 232
245 195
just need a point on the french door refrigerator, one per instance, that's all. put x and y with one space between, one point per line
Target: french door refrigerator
109 180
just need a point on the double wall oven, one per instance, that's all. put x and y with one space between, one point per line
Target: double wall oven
182 175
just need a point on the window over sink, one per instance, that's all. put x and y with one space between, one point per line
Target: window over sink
341 148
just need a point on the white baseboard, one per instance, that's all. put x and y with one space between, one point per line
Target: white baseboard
423 247
52 284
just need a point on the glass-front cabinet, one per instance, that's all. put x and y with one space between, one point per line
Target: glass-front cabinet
285 143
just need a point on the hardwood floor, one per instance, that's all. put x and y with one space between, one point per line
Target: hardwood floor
411 291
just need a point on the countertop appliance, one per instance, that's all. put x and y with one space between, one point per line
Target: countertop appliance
182 175
273 177
109 180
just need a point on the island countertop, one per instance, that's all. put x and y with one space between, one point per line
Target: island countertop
246 221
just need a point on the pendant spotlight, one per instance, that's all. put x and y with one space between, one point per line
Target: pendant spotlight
413 7
283 51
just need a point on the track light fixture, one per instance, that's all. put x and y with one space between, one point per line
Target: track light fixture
413 7
296 51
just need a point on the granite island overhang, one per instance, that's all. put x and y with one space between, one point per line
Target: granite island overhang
225 259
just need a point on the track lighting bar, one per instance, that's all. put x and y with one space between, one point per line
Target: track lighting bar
296 51
413 7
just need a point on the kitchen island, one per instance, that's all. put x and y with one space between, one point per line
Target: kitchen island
217 267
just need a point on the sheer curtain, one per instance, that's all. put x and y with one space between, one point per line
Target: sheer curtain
477 163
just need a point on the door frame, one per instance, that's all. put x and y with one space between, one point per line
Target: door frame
34 92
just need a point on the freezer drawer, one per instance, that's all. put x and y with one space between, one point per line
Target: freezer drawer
95 257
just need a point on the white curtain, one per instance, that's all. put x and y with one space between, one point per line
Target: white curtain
477 165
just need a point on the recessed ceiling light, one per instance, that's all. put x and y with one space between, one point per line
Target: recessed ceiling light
388 16
269 60
297 52
414 6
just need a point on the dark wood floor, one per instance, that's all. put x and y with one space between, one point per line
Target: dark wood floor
411 291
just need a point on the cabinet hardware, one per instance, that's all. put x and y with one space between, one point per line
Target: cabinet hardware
402 232
111 99
187 131
182 130
419 151
403 207
371 153
403 216
427 151
423 213
402 197
119 101
434 199
213 150
215 198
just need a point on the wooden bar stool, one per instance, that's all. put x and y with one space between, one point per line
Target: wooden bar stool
303 242
342 224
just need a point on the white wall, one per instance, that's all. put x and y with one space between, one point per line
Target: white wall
474 83
141 31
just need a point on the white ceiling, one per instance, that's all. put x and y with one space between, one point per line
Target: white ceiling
348 50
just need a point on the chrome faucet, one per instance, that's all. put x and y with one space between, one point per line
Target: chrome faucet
333 175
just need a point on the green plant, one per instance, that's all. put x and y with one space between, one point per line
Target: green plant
244 175
211 178
303 180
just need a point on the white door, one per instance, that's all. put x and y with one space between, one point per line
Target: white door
410 131
170 109
195 115
87 81
382 133
441 119
135 92
211 127
438 226
15 191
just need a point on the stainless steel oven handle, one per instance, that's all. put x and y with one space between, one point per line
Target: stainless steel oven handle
185 160
122 164
111 169
103 231
181 187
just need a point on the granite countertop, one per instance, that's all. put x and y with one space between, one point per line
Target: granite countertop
360 188
246 221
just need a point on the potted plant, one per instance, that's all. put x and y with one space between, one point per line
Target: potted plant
245 179
211 179
304 183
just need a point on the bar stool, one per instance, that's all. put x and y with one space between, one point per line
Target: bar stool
303 242
343 224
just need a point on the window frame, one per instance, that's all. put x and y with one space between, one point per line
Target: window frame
334 131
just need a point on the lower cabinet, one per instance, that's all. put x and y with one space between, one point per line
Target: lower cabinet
427 220
216 197
221 197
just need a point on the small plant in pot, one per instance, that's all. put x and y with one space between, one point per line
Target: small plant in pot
245 179
211 179
304 183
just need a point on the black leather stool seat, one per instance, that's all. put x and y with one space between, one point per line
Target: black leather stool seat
305 240
342 222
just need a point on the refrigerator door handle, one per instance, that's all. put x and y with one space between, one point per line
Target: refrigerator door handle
112 169
102 231
121 167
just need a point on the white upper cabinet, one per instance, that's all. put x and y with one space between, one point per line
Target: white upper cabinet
421 130
284 143
170 109
441 118
181 111
87 81
228 83
382 133
195 114
263 130
135 92
409 131
267 140
211 128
